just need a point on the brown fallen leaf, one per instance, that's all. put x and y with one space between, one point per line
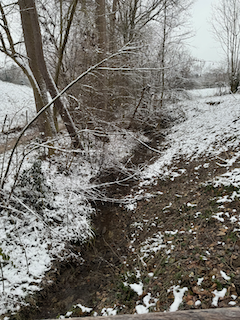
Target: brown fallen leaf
190 303
221 233
188 297
200 292
214 286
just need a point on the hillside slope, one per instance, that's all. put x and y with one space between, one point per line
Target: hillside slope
176 244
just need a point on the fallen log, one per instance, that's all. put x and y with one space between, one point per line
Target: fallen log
200 314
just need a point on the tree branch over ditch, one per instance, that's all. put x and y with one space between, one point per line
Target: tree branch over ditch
125 49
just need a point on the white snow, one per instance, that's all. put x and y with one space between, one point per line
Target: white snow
108 312
137 287
17 103
225 276
31 240
152 244
199 281
218 216
191 204
178 296
207 131
144 308
83 308
28 245
218 295
198 303
69 313
230 177
203 93
172 233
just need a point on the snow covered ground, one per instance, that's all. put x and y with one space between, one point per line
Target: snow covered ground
28 245
208 92
17 103
30 239
211 126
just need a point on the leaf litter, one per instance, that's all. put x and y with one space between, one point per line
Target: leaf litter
183 242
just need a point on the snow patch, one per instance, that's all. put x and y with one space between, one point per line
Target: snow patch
137 287
144 308
225 277
178 296
199 281
108 312
205 132
218 295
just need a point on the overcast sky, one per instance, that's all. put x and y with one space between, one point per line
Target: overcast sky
203 45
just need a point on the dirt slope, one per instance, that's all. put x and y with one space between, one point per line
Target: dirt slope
194 245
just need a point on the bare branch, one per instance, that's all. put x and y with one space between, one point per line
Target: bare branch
122 51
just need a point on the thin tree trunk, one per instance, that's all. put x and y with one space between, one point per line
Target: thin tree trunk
163 54
33 43
63 41
102 46
61 49
112 39
45 123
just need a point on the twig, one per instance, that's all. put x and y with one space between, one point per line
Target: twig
2 278
122 51
25 253
140 100
221 159
133 69
115 253
4 122
34 213
144 144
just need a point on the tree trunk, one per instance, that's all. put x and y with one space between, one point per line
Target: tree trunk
112 37
102 47
164 39
33 43
45 121
234 83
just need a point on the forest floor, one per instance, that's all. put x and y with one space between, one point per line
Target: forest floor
195 245
178 248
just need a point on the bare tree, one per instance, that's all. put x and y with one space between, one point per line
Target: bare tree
33 44
101 26
134 15
105 26
226 28
171 20
112 25
61 24
38 73
8 47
